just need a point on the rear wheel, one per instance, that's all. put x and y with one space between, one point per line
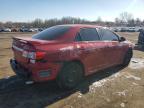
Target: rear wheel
127 57
70 75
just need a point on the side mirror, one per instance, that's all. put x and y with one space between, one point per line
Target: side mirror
122 39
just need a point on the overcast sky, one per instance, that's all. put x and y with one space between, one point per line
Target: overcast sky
28 10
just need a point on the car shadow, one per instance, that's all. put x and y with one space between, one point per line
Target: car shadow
15 93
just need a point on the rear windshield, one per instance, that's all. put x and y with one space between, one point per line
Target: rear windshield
51 33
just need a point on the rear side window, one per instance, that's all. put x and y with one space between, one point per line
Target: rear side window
87 34
51 33
108 35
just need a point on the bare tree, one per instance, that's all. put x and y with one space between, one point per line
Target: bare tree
99 20
131 23
138 22
37 23
143 23
9 24
117 21
125 17
1 24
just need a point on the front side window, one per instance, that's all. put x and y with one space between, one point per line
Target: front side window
108 35
87 34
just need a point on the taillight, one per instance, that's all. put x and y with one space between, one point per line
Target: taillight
40 55
34 55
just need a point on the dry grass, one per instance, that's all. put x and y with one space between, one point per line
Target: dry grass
124 88
130 36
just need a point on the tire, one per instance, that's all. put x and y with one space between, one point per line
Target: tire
70 75
127 57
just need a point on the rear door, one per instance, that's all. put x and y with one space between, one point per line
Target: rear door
114 49
91 49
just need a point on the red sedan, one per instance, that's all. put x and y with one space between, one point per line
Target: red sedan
67 53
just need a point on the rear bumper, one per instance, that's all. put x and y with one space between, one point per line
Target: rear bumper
37 72
19 70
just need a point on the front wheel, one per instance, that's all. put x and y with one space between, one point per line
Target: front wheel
70 75
127 57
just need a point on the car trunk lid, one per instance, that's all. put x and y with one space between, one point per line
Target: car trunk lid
28 49
21 46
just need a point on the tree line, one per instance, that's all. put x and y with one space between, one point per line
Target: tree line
124 19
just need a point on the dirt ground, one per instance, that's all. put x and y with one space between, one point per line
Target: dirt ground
116 87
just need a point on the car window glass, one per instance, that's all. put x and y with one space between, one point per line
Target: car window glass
108 35
89 34
51 33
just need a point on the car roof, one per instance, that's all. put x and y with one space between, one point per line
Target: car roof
81 26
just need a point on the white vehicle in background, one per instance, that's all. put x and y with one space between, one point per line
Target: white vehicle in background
131 29
134 29
124 29
33 30
112 28
7 30
117 29
138 29
36 29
